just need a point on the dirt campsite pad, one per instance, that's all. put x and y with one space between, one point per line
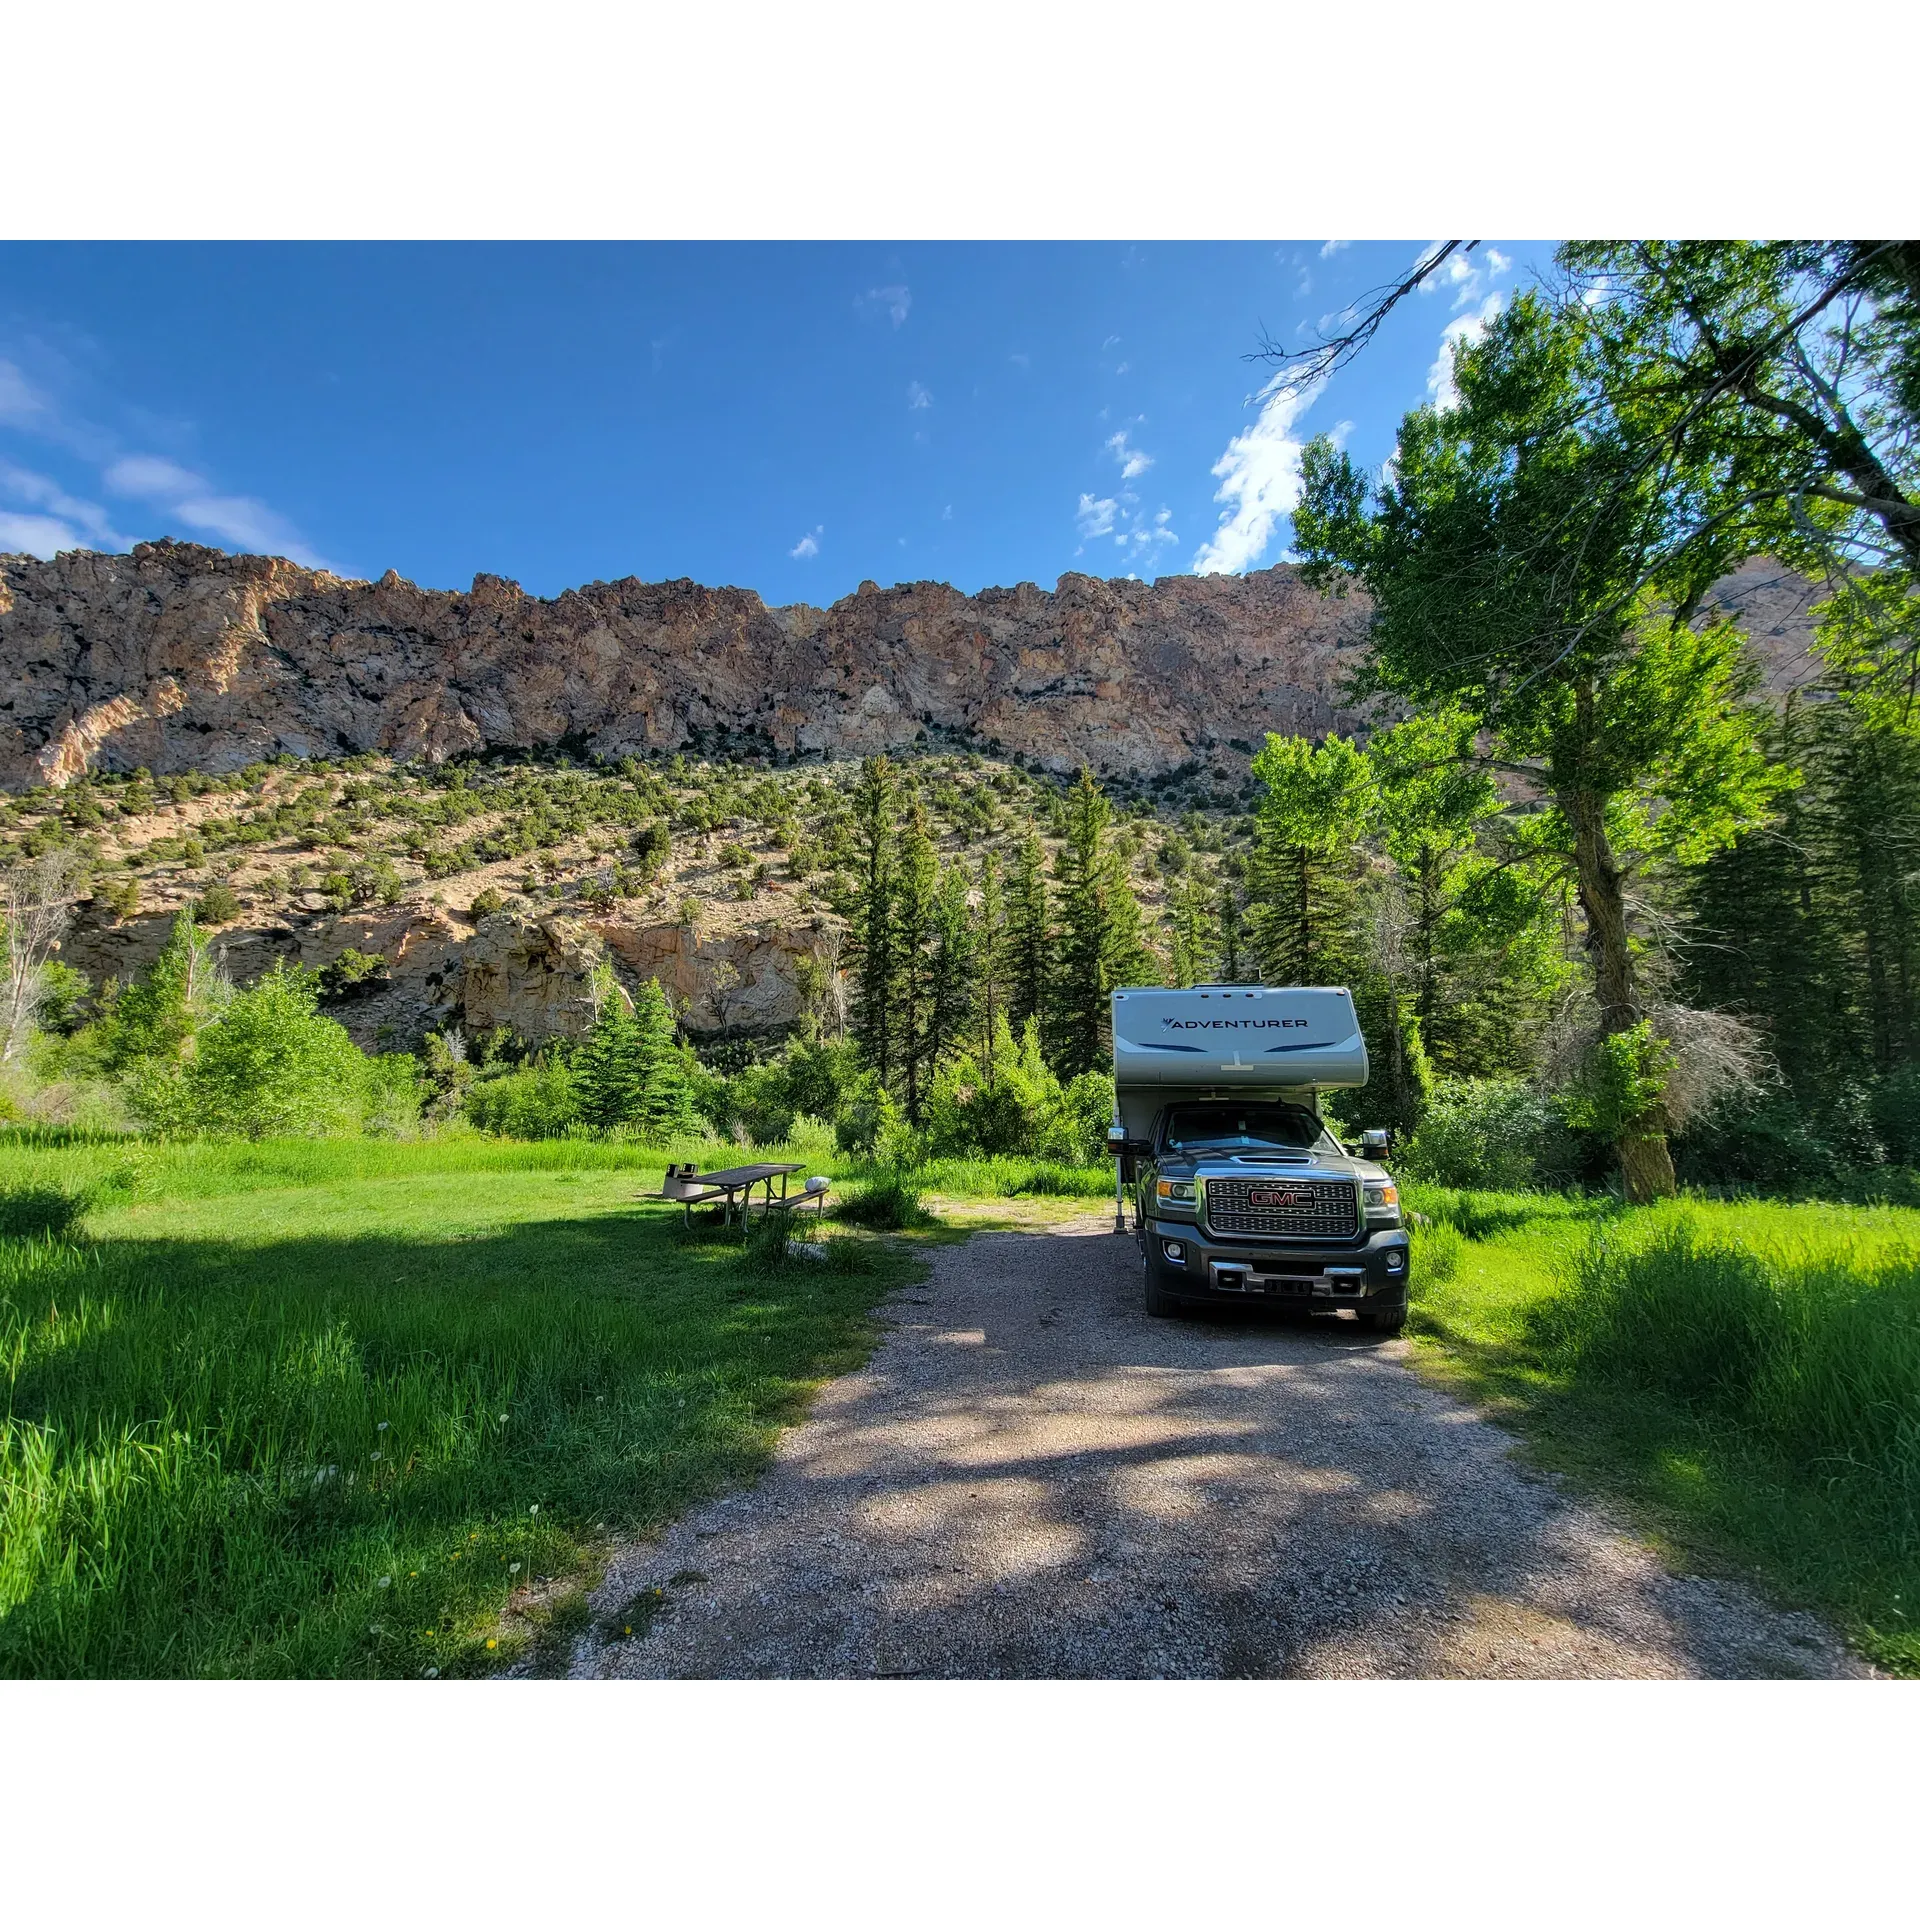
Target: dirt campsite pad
1033 1479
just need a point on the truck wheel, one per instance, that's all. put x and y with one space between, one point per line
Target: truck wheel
1385 1320
1160 1304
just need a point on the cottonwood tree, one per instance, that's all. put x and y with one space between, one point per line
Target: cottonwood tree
1522 561
1792 370
875 801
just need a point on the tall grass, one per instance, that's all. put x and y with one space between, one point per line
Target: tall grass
270 1430
1746 1373
1816 1354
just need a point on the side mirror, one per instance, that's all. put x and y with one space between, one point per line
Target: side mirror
1123 1148
1375 1143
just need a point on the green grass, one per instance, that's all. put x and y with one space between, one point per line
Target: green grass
323 1408
1743 1376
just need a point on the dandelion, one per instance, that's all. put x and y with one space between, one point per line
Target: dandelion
373 1456
626 1629
503 1419
513 1566
415 1574
386 1579
430 1673
535 1508
491 1644
380 1427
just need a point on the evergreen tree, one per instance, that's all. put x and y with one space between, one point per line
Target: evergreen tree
1029 939
1100 944
915 887
874 802
990 958
952 963
628 1070
1230 921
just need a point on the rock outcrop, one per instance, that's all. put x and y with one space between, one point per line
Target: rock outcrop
178 657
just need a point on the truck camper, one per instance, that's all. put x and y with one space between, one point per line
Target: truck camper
1240 1190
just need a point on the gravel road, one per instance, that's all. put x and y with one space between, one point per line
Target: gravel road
1033 1479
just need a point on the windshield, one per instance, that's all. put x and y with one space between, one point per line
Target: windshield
1223 1126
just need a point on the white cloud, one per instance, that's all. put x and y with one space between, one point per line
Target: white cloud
1259 477
896 300
917 397
946 513
1094 518
1465 274
1133 462
146 476
37 490
1334 246
807 546
236 519
1470 327
22 404
1112 340
38 534
188 499
1021 360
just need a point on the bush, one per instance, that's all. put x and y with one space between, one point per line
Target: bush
1021 1109
487 900
218 905
534 1103
886 1202
269 1065
1490 1134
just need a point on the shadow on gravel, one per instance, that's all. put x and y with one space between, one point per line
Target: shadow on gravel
1034 1479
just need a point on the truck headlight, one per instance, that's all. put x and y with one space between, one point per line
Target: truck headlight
1179 1191
1383 1201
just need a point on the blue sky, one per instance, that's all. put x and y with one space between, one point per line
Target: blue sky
794 418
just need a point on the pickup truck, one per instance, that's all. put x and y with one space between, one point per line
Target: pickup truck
1241 1192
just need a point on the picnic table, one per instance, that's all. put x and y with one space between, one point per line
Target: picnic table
733 1187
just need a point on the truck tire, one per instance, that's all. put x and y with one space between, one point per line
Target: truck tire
1384 1319
1160 1304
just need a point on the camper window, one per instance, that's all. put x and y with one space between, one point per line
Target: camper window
1219 1126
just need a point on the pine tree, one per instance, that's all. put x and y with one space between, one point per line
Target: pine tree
1101 944
1029 939
1192 933
990 958
628 1070
915 886
1231 928
666 1097
952 960
874 803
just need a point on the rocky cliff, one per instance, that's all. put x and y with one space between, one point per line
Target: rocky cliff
178 657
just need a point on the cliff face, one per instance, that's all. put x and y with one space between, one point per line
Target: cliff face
177 657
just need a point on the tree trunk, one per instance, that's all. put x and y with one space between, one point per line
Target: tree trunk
1646 1167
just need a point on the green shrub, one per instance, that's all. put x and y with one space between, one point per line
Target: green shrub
1488 1134
1019 1106
885 1201
218 904
533 1103
269 1065
487 900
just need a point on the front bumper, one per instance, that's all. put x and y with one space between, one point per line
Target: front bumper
1372 1273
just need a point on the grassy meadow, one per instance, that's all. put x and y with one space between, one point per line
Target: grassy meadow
1742 1377
328 1408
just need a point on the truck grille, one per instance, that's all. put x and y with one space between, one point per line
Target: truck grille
1284 1209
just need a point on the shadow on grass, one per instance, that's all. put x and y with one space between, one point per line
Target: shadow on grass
342 1455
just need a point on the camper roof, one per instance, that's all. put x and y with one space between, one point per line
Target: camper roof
1237 1037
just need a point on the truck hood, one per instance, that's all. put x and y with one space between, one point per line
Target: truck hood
1270 1166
